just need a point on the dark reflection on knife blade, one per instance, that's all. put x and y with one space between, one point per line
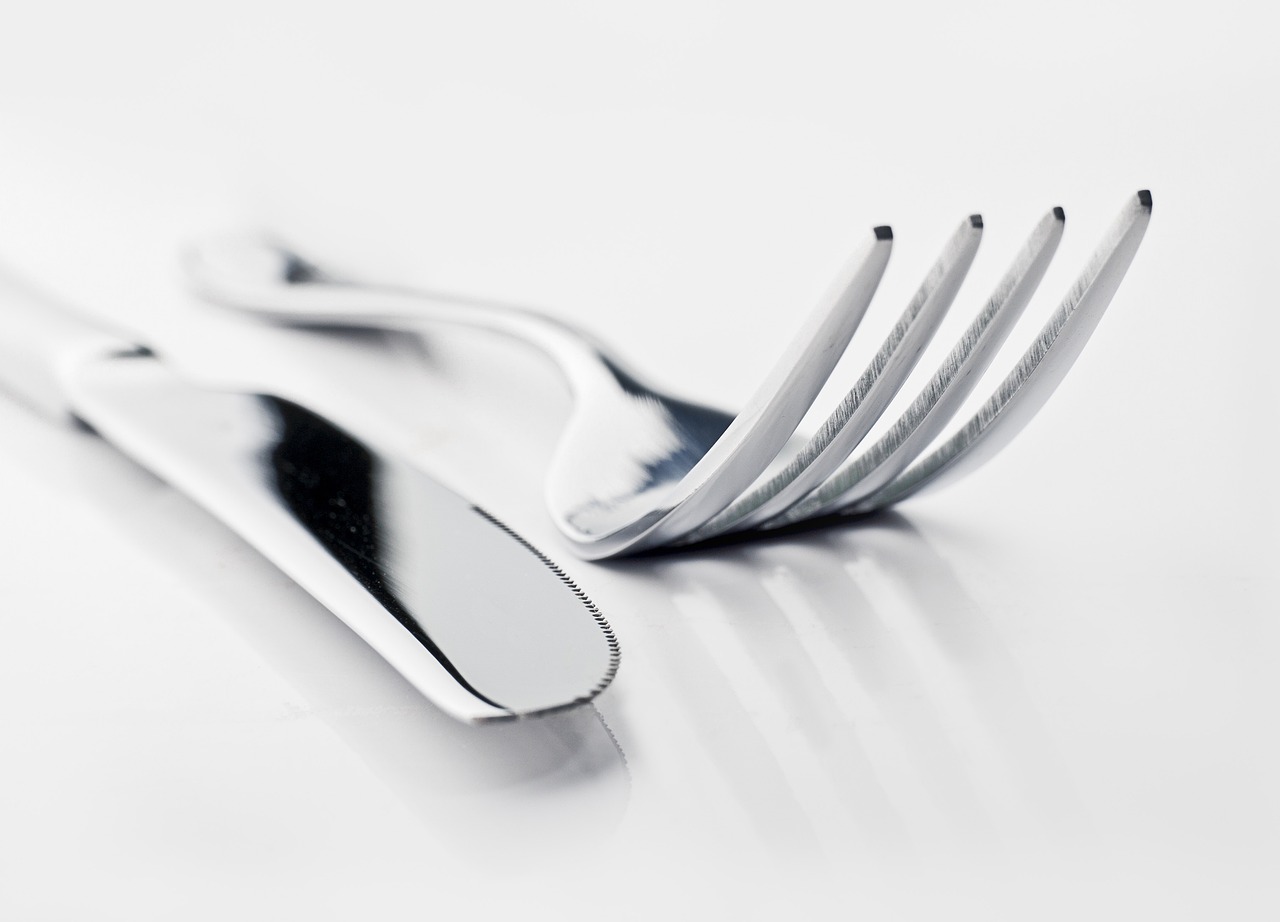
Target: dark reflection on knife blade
327 480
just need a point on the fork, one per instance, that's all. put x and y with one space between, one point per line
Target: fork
637 468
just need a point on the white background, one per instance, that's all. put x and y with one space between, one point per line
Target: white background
1046 692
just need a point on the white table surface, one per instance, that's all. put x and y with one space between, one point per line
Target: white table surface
1047 692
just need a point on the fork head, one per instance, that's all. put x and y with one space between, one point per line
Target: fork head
892 468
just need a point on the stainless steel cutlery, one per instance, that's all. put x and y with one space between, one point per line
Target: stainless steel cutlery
479 621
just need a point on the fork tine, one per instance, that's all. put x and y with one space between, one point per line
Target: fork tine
864 403
876 466
758 433
1042 367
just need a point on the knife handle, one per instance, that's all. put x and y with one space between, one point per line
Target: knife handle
40 341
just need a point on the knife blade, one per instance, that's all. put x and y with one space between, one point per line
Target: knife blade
476 618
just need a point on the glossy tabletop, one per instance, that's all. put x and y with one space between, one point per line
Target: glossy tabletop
1048 691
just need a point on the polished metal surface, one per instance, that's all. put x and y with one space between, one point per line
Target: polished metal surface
862 406
876 466
1038 373
479 621
638 469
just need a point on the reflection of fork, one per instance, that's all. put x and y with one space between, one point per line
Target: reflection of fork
637 469
845 691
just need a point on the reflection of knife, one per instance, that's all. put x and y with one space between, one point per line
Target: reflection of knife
479 621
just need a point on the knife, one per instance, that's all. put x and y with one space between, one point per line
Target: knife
476 618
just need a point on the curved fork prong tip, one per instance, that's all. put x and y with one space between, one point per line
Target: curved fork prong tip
1144 198
975 221
1059 213
884 232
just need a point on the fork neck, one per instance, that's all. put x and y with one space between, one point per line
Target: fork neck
587 365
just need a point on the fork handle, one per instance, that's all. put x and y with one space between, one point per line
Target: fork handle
260 277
